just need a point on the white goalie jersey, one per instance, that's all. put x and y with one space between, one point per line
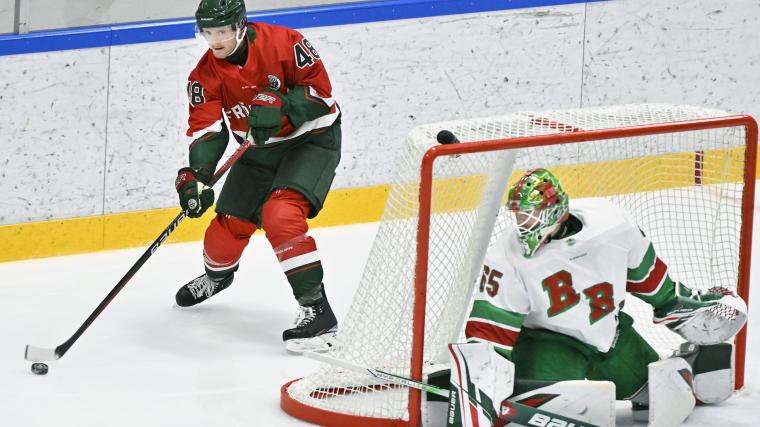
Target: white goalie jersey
574 286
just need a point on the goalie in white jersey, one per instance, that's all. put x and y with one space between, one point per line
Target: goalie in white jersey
553 286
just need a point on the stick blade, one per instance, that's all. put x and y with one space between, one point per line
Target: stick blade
39 354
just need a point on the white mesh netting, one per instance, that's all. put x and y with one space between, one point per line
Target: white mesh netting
684 189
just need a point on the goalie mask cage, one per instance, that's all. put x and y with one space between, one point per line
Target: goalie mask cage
686 175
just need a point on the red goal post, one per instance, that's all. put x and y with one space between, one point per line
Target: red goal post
717 151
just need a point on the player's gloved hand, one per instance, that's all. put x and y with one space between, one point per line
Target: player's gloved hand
194 196
707 317
264 119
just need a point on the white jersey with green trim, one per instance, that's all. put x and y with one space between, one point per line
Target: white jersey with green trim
574 286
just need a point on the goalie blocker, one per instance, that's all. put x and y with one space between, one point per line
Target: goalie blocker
482 384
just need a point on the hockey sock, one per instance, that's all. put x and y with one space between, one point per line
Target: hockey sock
301 264
225 239
284 220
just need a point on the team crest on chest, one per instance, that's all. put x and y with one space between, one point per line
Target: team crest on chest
274 82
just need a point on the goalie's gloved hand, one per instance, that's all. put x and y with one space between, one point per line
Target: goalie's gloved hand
683 305
194 196
706 317
265 117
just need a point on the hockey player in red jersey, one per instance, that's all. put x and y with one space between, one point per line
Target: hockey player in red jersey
271 85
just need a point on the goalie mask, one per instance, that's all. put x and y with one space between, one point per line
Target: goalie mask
221 23
539 206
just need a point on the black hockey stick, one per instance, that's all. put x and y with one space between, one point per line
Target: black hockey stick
518 413
39 354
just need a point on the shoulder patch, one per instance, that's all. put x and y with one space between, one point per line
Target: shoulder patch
274 82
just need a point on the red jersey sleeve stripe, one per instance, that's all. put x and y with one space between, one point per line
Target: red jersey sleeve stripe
492 333
652 281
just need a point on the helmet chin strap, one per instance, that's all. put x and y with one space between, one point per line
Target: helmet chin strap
238 41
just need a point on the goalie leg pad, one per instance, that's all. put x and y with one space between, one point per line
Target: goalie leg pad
480 379
671 399
589 401
713 367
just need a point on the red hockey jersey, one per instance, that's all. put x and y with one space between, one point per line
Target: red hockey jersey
280 59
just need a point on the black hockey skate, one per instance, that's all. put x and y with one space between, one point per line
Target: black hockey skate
316 329
201 288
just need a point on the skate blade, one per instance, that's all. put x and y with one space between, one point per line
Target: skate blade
319 344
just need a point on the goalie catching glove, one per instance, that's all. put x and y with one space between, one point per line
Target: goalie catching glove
703 318
194 196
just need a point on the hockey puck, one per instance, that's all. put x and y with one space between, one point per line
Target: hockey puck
39 368
446 137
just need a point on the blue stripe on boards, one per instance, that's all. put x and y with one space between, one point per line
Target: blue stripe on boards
303 17
389 10
151 32
55 40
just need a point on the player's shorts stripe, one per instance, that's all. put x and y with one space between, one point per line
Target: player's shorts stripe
491 333
299 261
651 283
646 265
485 310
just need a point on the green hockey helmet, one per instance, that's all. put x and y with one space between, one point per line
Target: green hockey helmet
219 13
539 206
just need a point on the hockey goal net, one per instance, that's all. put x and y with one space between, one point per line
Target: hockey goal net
685 174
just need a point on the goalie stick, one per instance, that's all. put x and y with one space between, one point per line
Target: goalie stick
522 414
41 354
